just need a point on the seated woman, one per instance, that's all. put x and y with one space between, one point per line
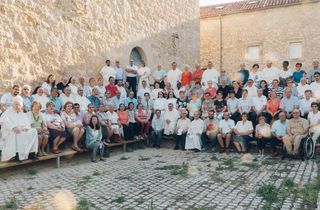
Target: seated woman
197 90
56 127
194 104
38 123
74 127
116 130
243 133
142 117
134 126
93 138
88 114
104 122
17 133
210 89
262 134
124 121
273 105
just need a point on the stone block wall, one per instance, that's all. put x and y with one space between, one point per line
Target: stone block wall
75 37
271 29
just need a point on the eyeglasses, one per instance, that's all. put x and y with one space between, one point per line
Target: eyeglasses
90 107
76 107
25 89
295 112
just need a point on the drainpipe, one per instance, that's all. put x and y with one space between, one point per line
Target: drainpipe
220 50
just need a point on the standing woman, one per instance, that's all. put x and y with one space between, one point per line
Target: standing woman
263 134
49 84
74 127
93 138
142 116
123 115
38 123
56 128
254 74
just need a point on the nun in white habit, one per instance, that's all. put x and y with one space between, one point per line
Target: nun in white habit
196 128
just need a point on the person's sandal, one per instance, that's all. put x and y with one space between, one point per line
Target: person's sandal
56 151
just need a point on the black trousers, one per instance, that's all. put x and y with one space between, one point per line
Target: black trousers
133 85
128 132
181 140
262 142
274 141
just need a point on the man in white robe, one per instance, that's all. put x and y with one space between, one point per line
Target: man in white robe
81 99
171 117
270 73
196 128
174 76
144 73
106 72
17 133
211 74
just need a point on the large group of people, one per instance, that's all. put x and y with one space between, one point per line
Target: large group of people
203 109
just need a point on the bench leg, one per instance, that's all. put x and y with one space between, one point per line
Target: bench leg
58 162
48 148
124 147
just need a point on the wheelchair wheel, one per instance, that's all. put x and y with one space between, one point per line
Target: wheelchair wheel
308 148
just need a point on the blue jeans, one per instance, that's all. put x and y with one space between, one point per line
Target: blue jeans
207 142
180 140
156 137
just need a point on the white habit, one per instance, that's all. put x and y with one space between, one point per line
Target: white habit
23 143
193 139
173 116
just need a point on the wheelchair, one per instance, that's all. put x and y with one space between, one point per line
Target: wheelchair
307 148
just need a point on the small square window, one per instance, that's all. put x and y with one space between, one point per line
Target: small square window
295 50
253 53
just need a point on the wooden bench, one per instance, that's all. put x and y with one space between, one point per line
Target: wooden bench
66 152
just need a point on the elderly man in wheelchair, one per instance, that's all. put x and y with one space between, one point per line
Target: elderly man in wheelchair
297 130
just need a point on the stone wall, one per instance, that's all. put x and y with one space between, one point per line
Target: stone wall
74 37
272 29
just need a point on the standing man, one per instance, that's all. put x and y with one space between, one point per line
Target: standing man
120 74
159 75
316 68
285 73
174 76
210 74
132 71
243 74
315 86
8 98
106 72
270 73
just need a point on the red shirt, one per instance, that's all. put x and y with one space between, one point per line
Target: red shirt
113 89
186 78
197 75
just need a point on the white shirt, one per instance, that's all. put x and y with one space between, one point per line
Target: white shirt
83 101
286 74
113 117
65 98
314 118
183 124
315 87
301 89
160 103
254 76
101 90
259 102
252 91
210 74
7 99
226 126
133 67
305 105
43 100
123 92
74 89
245 104
270 74
244 127
142 91
232 105
173 77
107 72
47 88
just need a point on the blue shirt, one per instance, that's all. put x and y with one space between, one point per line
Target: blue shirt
159 74
128 100
117 102
120 74
279 128
95 101
297 75
27 101
57 102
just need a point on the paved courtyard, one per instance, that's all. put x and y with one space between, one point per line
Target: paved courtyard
164 179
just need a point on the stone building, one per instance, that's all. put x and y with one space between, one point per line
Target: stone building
254 31
75 37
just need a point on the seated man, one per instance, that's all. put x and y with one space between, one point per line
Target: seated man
278 131
181 130
289 102
211 127
225 132
314 120
81 99
17 133
244 104
171 117
297 129
157 125
243 133
8 98
220 106
195 129
94 99
305 104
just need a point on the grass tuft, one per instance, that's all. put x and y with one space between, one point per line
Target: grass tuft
142 158
11 204
124 158
120 199
84 204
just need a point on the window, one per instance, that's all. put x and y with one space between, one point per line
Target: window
295 50
253 53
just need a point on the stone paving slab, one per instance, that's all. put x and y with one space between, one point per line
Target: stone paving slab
160 179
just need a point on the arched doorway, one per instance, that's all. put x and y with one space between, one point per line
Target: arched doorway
137 55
